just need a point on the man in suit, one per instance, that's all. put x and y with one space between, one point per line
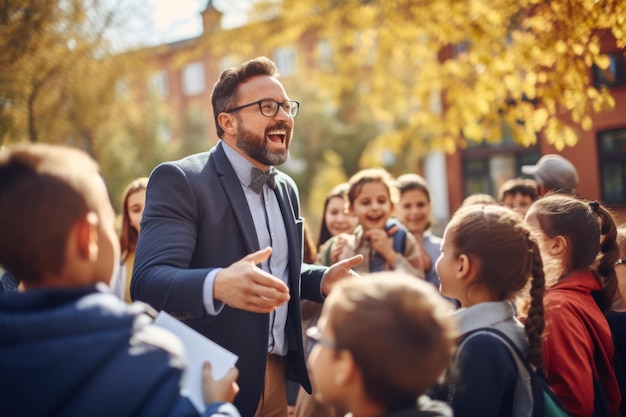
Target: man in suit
221 249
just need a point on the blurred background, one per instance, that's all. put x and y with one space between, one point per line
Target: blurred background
462 92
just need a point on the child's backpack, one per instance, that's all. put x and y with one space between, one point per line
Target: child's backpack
544 402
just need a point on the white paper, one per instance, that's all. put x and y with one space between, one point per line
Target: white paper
198 349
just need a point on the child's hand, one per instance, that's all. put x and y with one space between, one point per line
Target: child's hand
224 389
336 251
379 239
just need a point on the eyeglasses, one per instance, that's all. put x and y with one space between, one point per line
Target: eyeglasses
315 335
620 262
269 107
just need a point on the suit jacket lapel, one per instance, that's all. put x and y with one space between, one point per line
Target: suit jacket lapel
293 226
236 198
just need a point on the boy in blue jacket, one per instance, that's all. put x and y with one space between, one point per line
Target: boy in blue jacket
69 347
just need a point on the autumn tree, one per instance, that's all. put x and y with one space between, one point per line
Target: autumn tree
63 79
439 73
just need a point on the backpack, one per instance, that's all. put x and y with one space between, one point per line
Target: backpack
544 402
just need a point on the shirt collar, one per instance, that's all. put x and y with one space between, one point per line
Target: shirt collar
241 166
484 315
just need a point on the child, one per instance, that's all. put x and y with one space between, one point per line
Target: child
335 220
381 342
67 346
518 194
578 247
384 243
414 210
487 257
133 203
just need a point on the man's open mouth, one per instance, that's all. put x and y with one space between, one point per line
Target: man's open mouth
277 135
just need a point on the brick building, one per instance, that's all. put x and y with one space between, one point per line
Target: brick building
599 156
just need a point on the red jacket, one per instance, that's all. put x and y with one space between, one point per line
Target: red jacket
578 347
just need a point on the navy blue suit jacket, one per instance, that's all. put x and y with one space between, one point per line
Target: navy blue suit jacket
197 218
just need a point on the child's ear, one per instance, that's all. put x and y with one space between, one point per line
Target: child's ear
464 266
558 246
228 123
87 236
345 369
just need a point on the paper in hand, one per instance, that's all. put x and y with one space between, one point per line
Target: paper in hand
198 349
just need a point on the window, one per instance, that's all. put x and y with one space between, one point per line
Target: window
286 60
324 53
158 84
229 61
487 165
612 155
615 74
193 78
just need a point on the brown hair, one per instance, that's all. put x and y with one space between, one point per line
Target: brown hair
44 190
524 186
224 95
405 321
478 198
497 239
337 191
309 250
364 176
591 235
621 240
128 234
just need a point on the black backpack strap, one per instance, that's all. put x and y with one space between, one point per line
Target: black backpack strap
541 391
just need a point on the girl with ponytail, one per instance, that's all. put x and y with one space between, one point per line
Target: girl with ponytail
577 240
487 259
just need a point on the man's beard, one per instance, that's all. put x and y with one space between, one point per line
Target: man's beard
256 147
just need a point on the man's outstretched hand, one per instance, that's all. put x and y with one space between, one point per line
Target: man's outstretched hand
339 271
245 286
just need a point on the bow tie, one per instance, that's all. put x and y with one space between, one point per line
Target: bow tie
259 178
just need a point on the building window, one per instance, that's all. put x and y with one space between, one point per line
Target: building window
615 74
229 61
193 78
324 53
286 60
157 84
486 166
612 154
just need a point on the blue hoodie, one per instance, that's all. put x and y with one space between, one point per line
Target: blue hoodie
83 352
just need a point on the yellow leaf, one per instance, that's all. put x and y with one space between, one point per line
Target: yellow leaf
539 119
560 47
603 61
473 131
578 48
449 145
586 123
569 136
